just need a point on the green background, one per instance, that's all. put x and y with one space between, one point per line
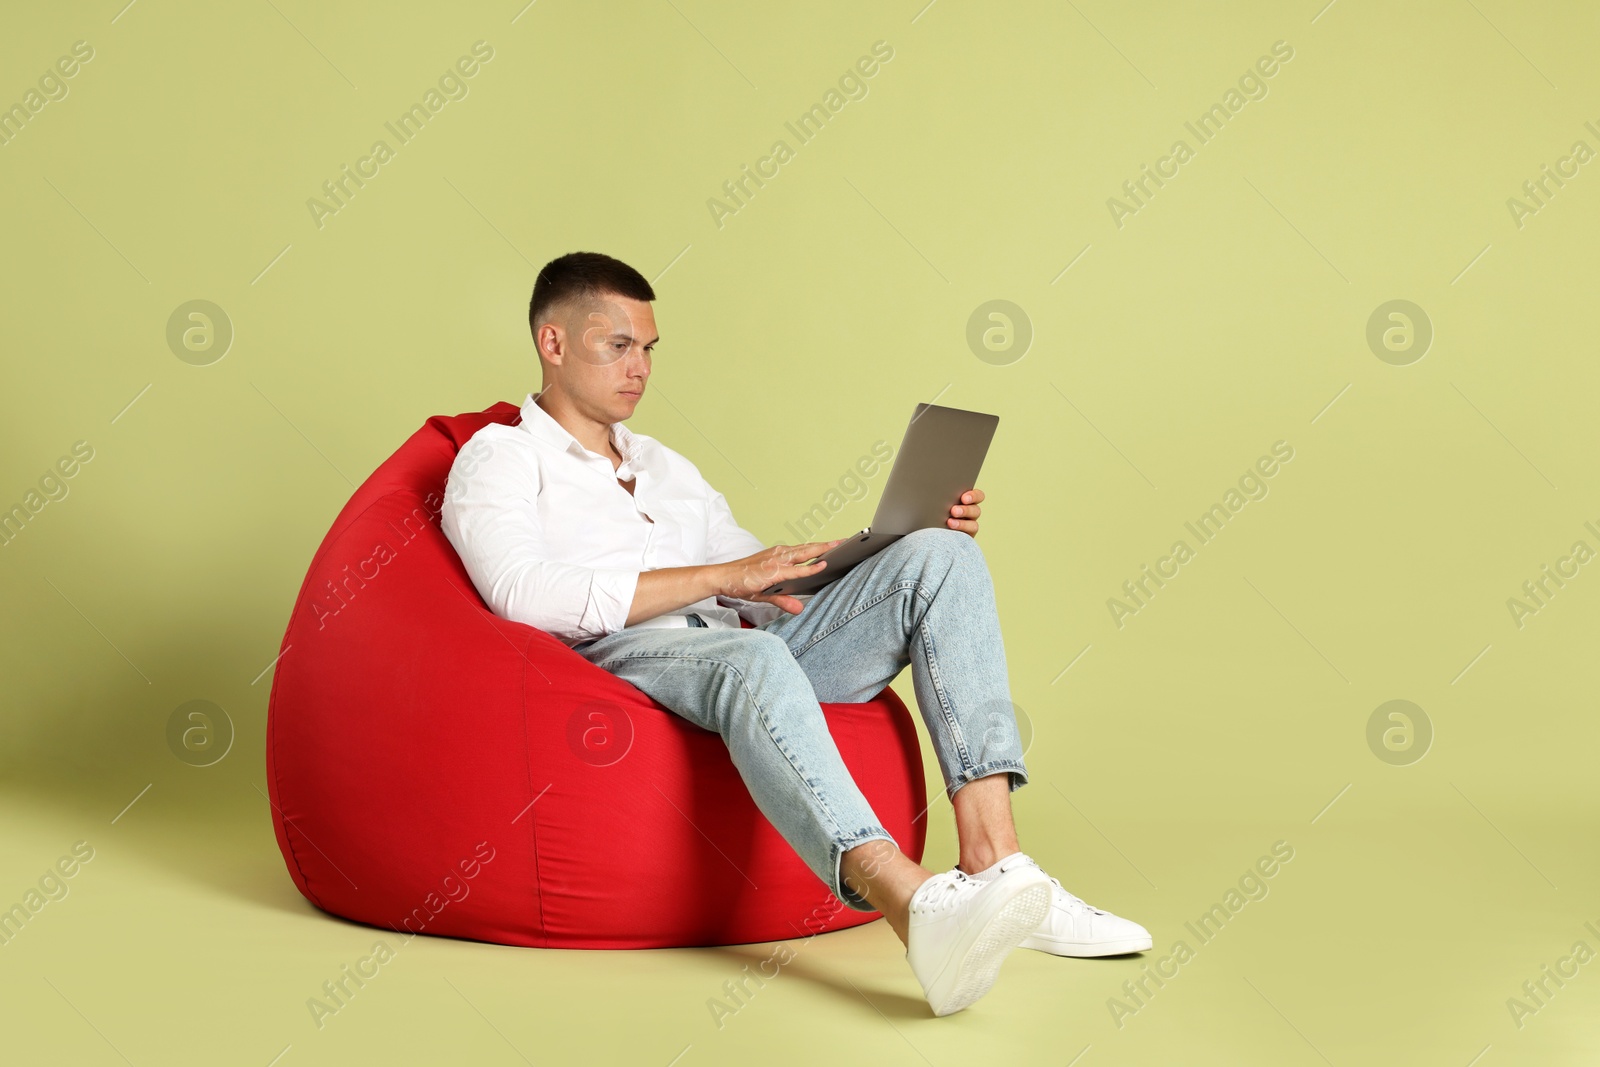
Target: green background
1229 313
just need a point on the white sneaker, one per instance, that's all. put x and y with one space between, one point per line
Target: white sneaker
1073 928
961 930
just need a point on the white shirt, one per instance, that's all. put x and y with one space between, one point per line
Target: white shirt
551 538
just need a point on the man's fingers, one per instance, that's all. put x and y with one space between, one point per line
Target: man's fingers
814 548
782 562
798 554
787 603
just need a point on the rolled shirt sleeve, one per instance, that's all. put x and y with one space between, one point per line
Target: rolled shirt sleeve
491 518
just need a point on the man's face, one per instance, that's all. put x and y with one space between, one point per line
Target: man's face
606 357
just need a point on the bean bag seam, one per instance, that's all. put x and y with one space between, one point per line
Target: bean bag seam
288 835
533 815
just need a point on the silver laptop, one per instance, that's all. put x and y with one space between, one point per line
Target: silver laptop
939 459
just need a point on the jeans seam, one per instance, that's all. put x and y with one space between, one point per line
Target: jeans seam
766 722
945 711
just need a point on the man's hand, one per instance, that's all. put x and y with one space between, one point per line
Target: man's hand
744 579
964 516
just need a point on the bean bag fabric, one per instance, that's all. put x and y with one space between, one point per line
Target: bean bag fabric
436 769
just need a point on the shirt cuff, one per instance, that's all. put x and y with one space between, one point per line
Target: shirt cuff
610 600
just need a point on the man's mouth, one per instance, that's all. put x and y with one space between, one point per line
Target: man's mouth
632 392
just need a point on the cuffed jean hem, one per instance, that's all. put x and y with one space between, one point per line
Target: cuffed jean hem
1019 775
838 849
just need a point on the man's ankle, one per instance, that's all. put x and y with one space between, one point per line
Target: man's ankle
980 861
878 869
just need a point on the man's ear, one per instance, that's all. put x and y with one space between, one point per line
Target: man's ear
551 343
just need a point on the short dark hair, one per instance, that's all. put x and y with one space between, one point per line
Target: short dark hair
583 274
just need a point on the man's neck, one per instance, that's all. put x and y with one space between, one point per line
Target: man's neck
591 434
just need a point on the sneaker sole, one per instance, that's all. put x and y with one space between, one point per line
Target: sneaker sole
991 943
1086 949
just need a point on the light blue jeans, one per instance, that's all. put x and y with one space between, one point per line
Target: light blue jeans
926 600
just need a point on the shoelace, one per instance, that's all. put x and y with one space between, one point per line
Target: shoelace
944 890
1074 902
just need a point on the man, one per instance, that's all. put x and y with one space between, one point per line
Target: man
616 545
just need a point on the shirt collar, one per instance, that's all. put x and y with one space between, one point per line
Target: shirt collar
537 421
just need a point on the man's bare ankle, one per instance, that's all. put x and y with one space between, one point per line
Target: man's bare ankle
981 858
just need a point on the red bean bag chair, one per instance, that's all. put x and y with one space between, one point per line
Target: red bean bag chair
434 768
